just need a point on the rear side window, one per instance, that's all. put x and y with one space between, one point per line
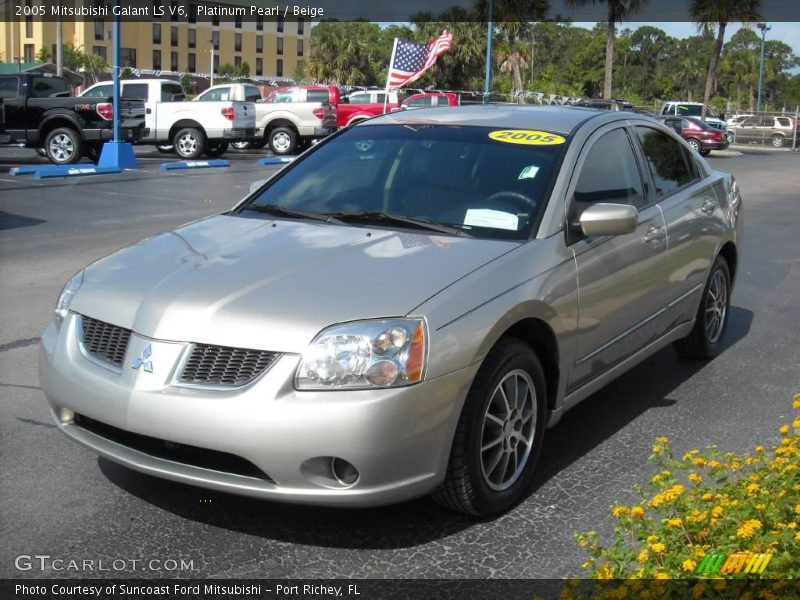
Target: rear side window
9 87
169 90
666 159
251 93
215 95
609 174
101 91
46 87
137 91
784 122
423 101
318 96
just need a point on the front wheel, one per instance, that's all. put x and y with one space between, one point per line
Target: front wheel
63 146
705 339
499 434
217 149
189 143
282 140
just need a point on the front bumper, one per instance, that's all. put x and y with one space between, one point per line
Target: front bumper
398 439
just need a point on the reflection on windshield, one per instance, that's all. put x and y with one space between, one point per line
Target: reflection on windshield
457 176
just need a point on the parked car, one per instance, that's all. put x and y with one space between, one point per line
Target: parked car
430 100
305 93
602 104
736 120
37 111
404 309
702 138
366 104
285 126
692 109
778 131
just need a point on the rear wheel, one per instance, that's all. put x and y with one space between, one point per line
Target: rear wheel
240 145
705 152
282 140
93 151
777 141
165 148
63 146
217 149
189 142
695 144
705 339
499 434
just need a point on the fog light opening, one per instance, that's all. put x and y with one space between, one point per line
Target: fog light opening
65 415
344 472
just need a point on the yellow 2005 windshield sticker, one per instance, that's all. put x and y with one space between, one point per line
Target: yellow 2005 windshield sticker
527 137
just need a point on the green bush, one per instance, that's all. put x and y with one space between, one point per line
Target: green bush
707 501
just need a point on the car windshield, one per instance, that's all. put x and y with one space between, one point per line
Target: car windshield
476 181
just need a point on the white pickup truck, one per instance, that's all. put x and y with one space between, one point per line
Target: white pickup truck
284 126
189 129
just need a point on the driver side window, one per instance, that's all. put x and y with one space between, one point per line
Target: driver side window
609 174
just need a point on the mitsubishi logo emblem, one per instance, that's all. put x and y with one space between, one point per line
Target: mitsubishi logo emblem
144 360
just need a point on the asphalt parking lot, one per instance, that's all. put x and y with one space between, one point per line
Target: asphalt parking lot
60 500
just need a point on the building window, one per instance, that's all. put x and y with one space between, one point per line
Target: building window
237 61
215 39
99 30
173 11
279 68
238 22
127 57
259 66
259 43
237 42
216 62
173 62
280 46
156 60
28 52
99 51
192 13
192 38
191 66
157 33
300 26
299 47
259 23
173 36
280 24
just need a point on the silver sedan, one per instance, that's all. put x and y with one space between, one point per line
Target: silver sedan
403 310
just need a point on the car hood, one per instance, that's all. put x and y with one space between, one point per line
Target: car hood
272 284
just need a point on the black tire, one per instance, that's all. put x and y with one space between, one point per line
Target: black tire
241 145
93 151
695 144
63 146
705 152
216 149
466 487
282 140
705 339
778 141
165 148
41 152
189 143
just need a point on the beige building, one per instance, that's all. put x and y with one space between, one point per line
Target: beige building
170 44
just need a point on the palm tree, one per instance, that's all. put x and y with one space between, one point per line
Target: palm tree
710 14
618 10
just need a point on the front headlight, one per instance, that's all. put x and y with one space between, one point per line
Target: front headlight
363 355
66 297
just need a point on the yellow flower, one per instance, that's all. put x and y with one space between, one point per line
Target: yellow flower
796 423
673 522
689 565
797 537
796 402
661 575
637 511
620 511
699 462
690 454
695 478
717 511
748 528
792 525
658 548
699 553
759 448
753 488
797 509
643 556
604 572
784 429
708 496
652 539
715 464
662 440
760 507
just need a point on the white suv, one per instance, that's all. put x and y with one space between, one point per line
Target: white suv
692 109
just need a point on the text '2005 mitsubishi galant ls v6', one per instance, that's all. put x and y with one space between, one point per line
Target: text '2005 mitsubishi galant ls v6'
403 310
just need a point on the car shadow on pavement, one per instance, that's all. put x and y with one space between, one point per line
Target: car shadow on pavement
13 221
421 521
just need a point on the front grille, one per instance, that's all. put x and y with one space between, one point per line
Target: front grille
223 366
104 341
179 453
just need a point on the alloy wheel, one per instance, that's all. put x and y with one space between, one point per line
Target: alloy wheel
716 306
62 147
282 142
187 144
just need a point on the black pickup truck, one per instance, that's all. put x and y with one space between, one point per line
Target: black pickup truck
37 111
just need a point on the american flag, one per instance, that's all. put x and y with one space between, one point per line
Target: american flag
410 60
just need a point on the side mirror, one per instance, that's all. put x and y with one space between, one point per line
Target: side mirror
609 219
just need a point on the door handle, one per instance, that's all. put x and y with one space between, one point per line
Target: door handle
655 234
708 207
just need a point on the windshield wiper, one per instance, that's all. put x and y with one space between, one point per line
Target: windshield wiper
379 217
282 211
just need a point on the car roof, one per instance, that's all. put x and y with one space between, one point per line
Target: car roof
557 119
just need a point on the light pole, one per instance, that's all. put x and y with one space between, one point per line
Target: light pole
212 61
764 29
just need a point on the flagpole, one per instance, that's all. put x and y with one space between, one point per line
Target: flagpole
388 76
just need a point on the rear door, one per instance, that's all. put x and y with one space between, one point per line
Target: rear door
621 279
12 94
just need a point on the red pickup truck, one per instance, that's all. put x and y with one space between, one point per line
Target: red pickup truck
365 105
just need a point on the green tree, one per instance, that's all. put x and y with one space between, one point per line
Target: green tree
715 15
618 10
